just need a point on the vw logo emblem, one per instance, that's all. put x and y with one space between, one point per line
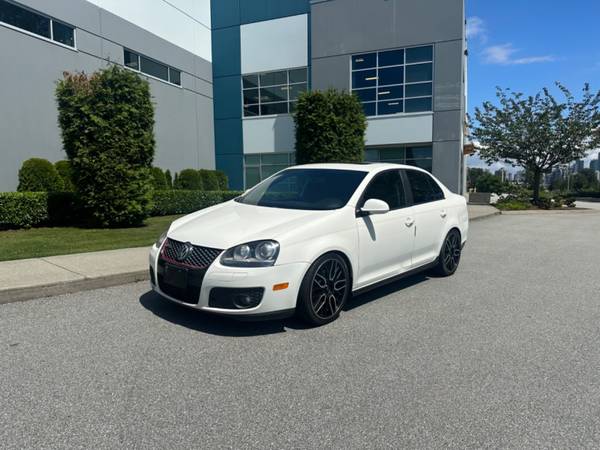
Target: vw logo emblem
185 251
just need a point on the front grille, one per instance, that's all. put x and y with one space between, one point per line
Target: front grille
197 258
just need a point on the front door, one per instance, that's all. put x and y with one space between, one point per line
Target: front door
385 240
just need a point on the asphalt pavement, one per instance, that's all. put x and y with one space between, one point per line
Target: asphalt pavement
506 353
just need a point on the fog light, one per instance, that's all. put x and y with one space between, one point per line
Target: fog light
244 301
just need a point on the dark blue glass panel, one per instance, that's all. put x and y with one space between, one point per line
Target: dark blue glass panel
393 107
419 72
364 78
418 152
419 54
391 92
391 75
391 58
418 105
369 109
365 61
418 90
365 95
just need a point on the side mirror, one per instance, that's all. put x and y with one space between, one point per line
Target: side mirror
374 206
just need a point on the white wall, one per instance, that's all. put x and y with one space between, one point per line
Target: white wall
185 23
269 134
274 44
400 130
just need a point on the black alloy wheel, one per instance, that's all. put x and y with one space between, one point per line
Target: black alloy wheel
450 254
325 289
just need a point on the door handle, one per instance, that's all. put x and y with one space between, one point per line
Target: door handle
409 222
443 213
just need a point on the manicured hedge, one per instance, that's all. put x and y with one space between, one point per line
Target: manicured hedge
184 202
31 209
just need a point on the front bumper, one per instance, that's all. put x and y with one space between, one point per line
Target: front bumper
273 303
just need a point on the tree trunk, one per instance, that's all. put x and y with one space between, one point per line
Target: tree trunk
537 180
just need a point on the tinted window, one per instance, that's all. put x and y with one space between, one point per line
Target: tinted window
364 78
154 68
308 189
23 18
132 60
364 61
391 75
298 76
175 76
388 187
391 58
267 109
393 107
63 33
419 72
273 78
419 54
418 104
424 189
250 81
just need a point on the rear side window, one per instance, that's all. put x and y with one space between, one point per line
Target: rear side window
424 188
387 186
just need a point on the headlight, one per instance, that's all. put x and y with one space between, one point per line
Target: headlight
161 239
252 254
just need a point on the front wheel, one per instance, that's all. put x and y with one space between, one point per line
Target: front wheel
324 290
450 254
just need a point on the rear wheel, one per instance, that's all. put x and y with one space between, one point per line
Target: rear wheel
324 290
450 254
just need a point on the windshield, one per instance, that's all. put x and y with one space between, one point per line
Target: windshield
310 189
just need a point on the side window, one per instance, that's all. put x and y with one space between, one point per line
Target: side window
387 186
424 188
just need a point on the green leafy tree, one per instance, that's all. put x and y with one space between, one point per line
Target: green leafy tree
473 174
488 182
159 182
210 181
537 132
107 123
39 175
169 179
66 174
330 127
584 180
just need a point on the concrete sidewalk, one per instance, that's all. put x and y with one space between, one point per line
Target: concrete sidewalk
43 277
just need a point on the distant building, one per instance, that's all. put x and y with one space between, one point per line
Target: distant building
595 164
578 166
502 174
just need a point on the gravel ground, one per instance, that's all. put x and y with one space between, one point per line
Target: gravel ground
504 354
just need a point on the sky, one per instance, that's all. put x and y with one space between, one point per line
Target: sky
527 45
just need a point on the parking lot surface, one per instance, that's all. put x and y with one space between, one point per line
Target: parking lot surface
504 354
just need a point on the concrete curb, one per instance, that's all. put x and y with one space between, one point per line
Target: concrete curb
68 287
487 216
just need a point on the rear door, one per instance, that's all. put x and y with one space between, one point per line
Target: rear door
385 240
429 214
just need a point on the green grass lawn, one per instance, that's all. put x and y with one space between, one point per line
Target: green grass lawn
38 242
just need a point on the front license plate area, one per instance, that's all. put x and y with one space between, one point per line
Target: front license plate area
176 276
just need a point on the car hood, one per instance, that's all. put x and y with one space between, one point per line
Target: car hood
233 223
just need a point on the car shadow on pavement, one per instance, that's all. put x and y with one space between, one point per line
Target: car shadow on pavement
385 290
213 324
225 326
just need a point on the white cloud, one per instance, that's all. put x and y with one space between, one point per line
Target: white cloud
476 28
505 54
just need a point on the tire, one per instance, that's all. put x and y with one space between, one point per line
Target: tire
450 254
324 290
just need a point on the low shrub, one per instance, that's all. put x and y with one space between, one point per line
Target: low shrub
23 209
34 209
185 201
188 179
513 205
209 180
39 175
223 180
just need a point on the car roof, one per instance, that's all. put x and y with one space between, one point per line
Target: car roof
366 167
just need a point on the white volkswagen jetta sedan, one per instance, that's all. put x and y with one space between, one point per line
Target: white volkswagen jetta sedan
309 237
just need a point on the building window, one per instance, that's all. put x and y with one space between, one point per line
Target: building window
148 66
418 156
394 81
269 93
36 23
260 166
